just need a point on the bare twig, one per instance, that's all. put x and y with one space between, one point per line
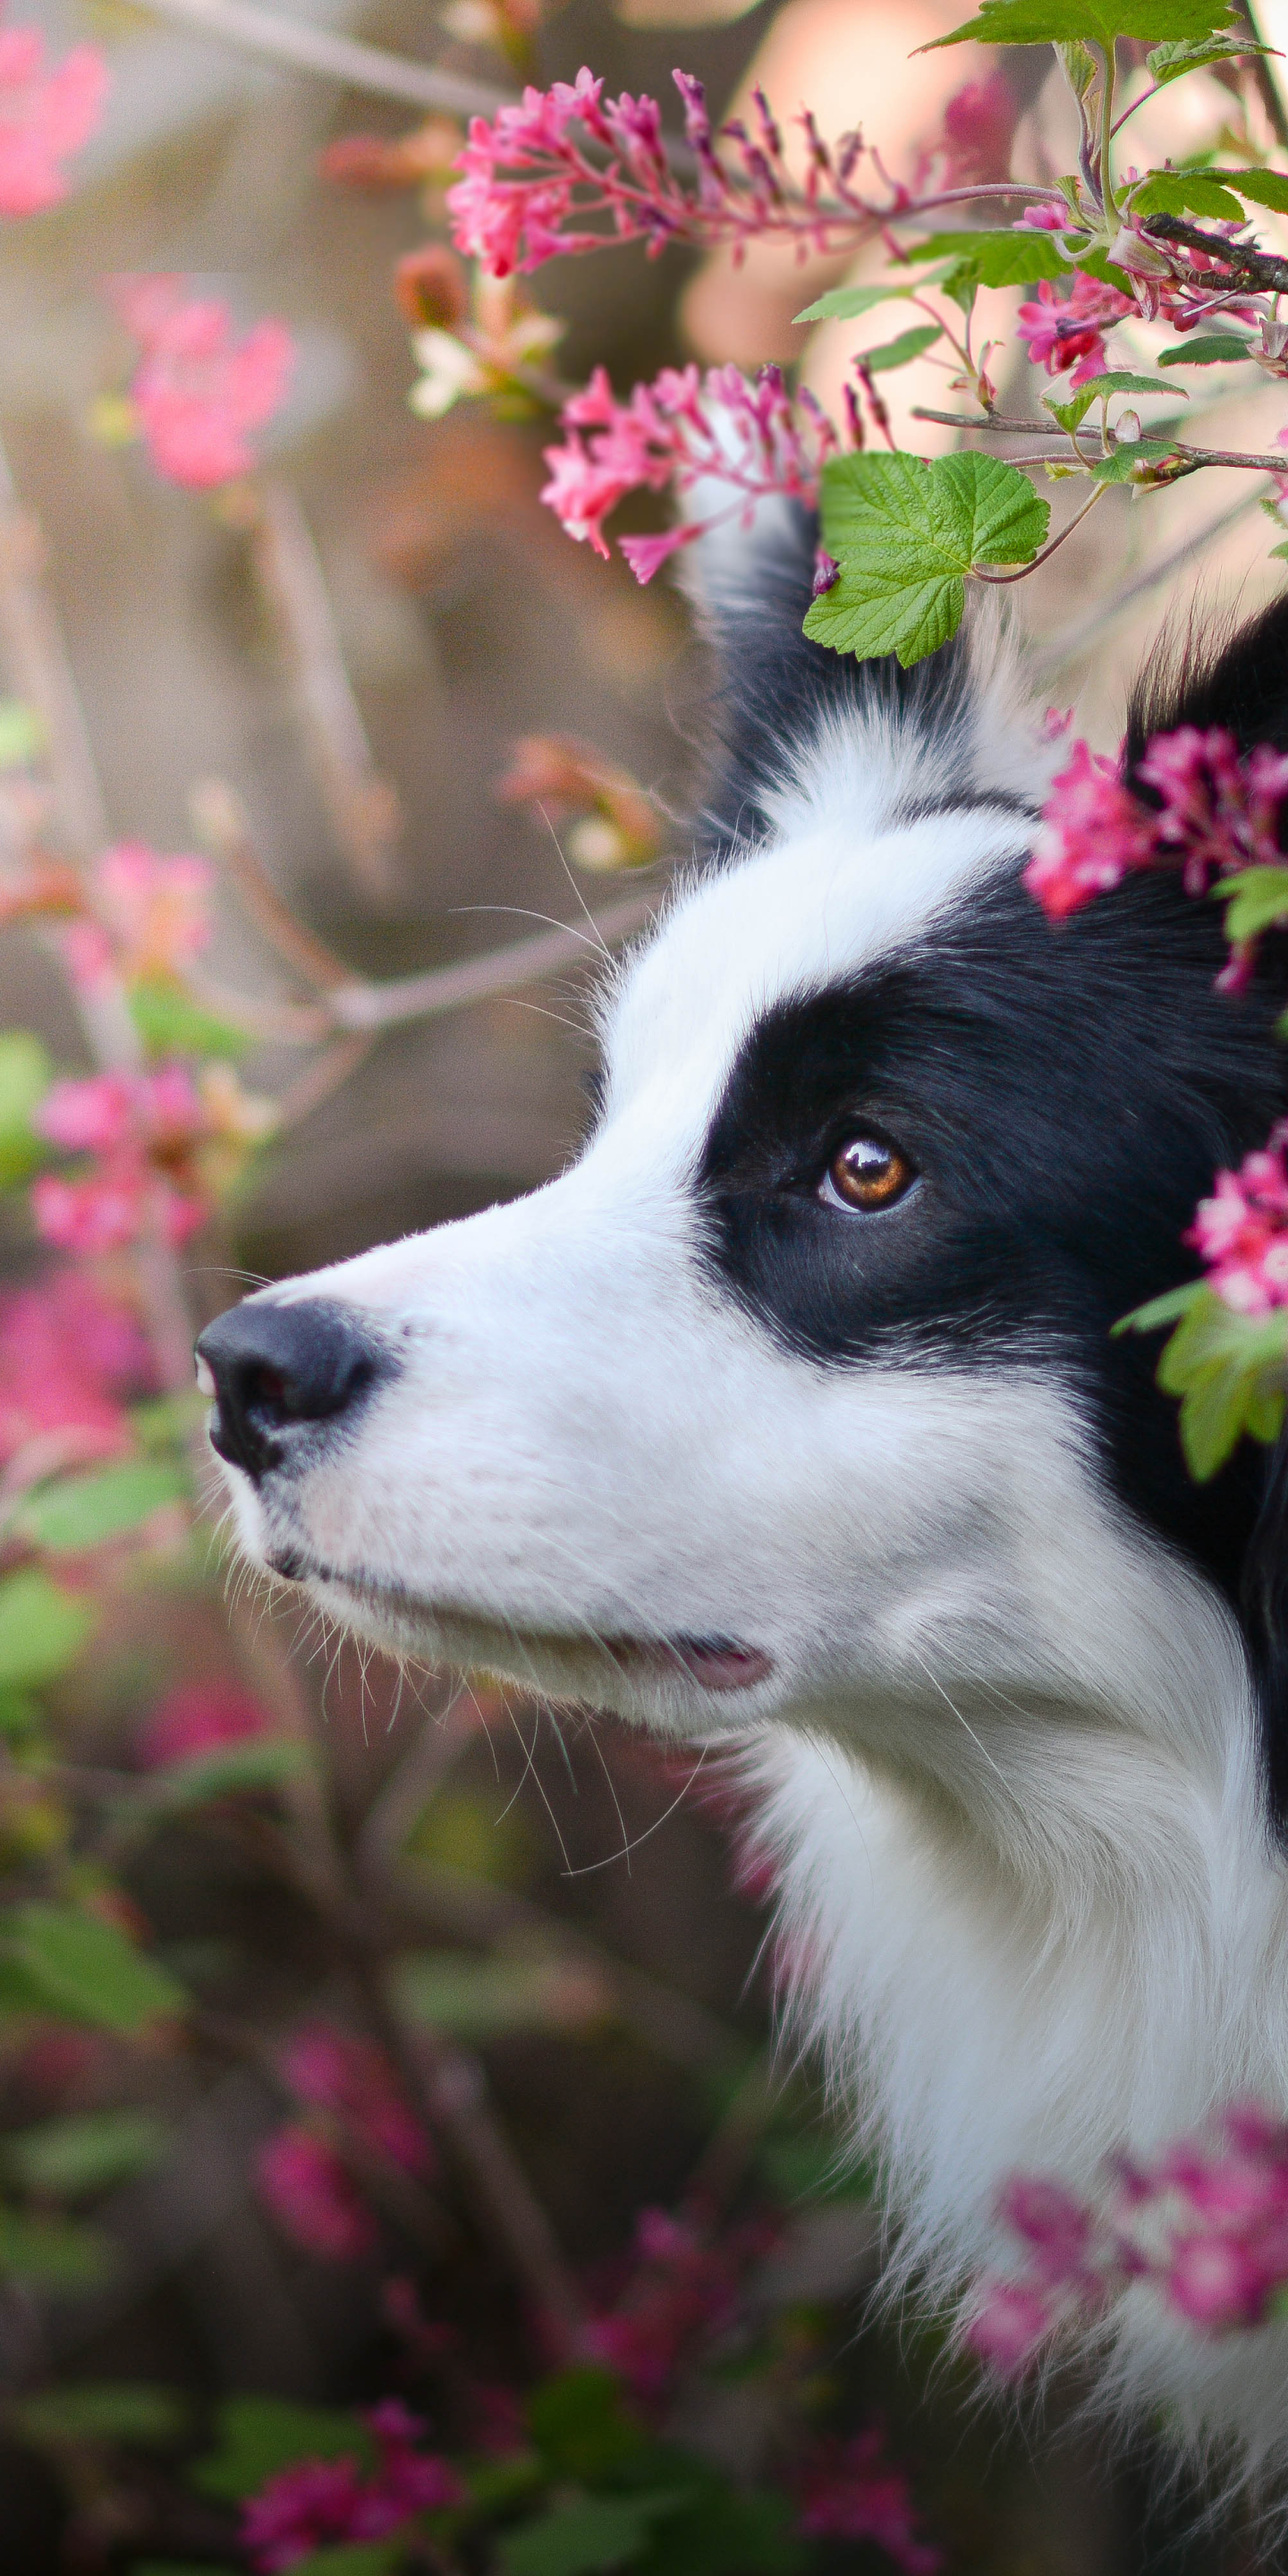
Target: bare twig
1072 640
219 818
299 46
478 979
364 808
1259 267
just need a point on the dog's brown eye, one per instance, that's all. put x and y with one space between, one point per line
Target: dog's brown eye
867 1175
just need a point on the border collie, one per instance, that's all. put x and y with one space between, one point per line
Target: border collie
788 1418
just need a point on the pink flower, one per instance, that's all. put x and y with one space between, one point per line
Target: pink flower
681 429
1043 218
852 2492
335 2071
312 2195
1055 2226
1093 832
681 2291
156 909
1241 1232
87 1117
1066 327
45 116
198 391
974 141
1215 2282
199 1717
145 1129
321 2503
68 1356
100 1214
1010 2322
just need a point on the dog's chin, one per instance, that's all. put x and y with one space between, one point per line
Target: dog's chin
667 1680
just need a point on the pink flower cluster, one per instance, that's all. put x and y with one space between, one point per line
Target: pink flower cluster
47 112
682 2291
301 2171
150 918
1241 1232
142 1130
307 2186
1067 325
851 2491
198 390
1216 814
529 184
335 2071
1205 2225
319 2504
975 137
196 1718
70 1358
750 439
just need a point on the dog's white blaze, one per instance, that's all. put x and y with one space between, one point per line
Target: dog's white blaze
1007 1745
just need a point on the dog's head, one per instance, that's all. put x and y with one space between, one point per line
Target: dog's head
795 1395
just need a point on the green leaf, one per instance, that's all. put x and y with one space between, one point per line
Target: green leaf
354 2558
84 1511
25 1076
578 2539
20 1715
256 1762
1119 466
1095 22
42 1629
171 1023
1179 192
1229 1371
476 1998
88 2151
86 1970
899 352
1255 899
729 2532
581 2424
1207 349
1170 62
1002 258
22 735
54 2253
1160 1310
1260 187
1120 380
260 2435
846 303
109 2410
179 2567
906 532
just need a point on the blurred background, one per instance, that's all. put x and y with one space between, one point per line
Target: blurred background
331 670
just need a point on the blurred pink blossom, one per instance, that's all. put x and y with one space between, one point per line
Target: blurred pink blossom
975 137
321 2503
682 2289
313 2196
851 2491
69 1357
46 114
1009 2322
198 391
1241 1232
336 2071
199 1717
155 910
143 1128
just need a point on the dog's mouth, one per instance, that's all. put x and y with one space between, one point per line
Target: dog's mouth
714 1663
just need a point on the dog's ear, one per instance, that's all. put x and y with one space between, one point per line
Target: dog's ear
1242 687
1265 1615
954 729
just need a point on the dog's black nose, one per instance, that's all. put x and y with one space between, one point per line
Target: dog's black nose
277 1368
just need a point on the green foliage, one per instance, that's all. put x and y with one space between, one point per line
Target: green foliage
901 351
582 2426
597 2532
53 2253
1207 349
1123 463
134 2411
84 1969
22 735
1260 187
254 1762
1002 258
1170 62
728 2531
86 2152
42 1630
906 532
257 2436
846 303
84 1511
171 1023
25 1076
1228 1370
1094 22
354 2558
1255 899
1184 192
476 1998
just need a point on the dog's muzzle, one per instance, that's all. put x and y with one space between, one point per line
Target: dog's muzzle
277 1371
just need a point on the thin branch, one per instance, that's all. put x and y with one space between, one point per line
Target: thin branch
220 819
998 579
1075 639
304 48
364 809
479 979
1259 267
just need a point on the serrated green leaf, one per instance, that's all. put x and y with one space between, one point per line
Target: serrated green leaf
1120 380
54 2253
257 2436
1007 257
1181 192
1229 1371
110 2410
906 532
42 1629
1171 62
1160 1310
171 1023
84 1511
87 2151
846 303
1096 22
1207 349
1071 414
22 735
25 1076
600 2532
1255 899
1119 466
86 1969
900 352
1260 187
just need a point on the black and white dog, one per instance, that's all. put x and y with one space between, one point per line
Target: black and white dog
789 1417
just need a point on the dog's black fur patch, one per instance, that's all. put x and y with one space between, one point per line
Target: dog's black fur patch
1066 1092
